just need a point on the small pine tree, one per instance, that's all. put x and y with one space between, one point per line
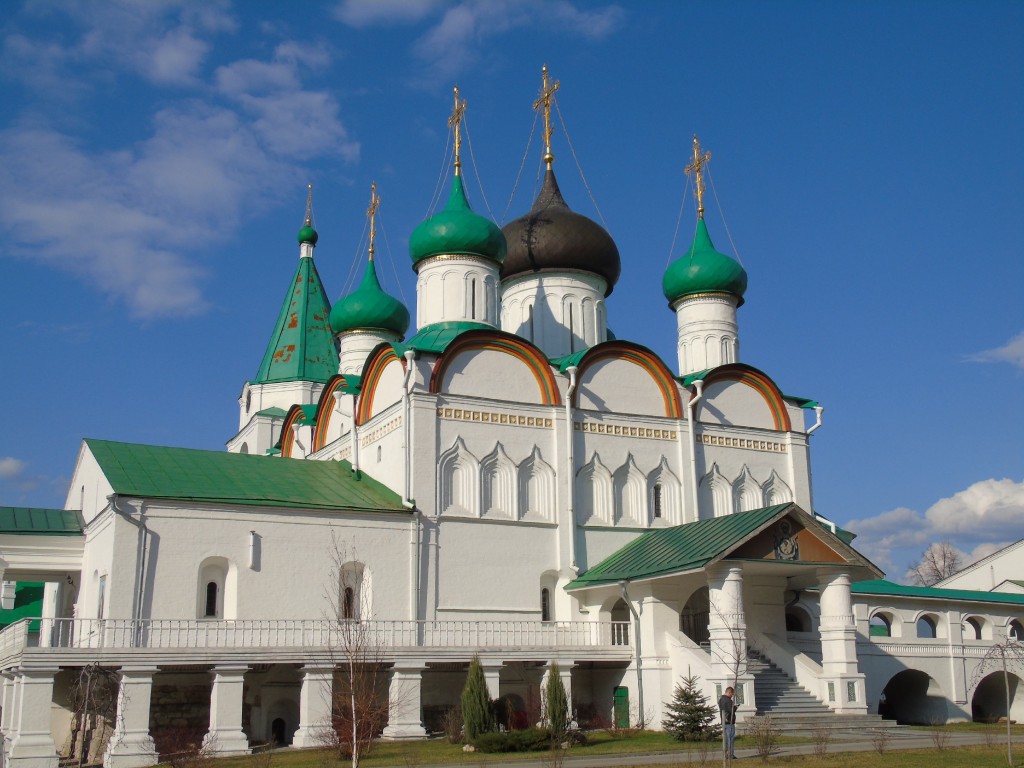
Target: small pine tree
556 702
477 716
689 716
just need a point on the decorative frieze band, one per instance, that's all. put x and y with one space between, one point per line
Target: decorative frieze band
494 417
379 432
646 433
743 442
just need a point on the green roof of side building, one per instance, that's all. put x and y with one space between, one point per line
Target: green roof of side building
216 477
36 521
301 347
892 589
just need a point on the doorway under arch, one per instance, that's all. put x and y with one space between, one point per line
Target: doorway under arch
695 618
988 704
912 697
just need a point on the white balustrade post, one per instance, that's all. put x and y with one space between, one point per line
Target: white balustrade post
405 712
130 745
843 683
32 744
315 699
225 736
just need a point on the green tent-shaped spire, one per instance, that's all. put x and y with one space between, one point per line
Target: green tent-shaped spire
301 348
370 308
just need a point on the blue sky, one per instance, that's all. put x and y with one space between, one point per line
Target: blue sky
867 165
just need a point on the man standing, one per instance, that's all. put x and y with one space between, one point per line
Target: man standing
727 709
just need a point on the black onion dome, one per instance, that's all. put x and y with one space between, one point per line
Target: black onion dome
552 238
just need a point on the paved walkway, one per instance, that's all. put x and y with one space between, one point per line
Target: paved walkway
844 741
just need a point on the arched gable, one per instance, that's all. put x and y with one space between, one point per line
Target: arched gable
297 416
487 357
719 397
378 374
618 374
326 408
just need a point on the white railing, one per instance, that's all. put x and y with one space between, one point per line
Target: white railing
312 633
934 648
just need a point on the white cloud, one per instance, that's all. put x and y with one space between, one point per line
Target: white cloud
365 13
11 468
978 521
1011 352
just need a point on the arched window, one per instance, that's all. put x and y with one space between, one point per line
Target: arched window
972 629
880 626
545 604
211 600
1015 631
348 604
530 321
244 448
656 500
926 627
380 452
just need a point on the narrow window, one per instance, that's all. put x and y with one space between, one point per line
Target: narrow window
530 320
378 454
572 332
211 600
657 500
348 604
101 603
545 605
472 298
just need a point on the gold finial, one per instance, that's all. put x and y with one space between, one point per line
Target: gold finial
372 213
697 168
544 102
309 207
455 122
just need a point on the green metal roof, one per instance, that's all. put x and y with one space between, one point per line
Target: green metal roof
309 414
41 522
28 603
457 230
369 307
565 361
689 378
703 270
680 548
801 402
275 412
186 474
301 348
892 589
437 336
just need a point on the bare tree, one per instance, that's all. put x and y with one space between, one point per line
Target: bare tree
359 699
939 561
1003 656
93 699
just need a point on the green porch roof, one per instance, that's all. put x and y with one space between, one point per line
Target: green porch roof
437 336
28 603
680 548
218 477
892 589
38 521
301 347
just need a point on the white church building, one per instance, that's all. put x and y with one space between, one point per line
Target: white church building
509 481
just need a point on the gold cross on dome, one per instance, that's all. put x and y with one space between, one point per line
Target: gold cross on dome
372 213
543 101
309 207
455 122
697 168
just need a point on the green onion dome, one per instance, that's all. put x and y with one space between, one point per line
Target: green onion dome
457 231
703 270
369 307
308 235
553 238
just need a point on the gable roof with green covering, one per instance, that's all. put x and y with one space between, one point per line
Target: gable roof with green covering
692 546
883 587
37 521
301 347
217 477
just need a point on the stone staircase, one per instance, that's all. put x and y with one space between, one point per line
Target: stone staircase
794 710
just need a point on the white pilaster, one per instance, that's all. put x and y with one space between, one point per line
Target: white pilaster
130 745
315 699
225 736
32 744
405 718
842 682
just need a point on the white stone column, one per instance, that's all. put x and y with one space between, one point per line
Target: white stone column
225 736
315 699
727 627
405 712
492 675
843 684
32 744
130 745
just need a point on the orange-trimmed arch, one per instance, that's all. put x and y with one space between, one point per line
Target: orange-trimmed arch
380 358
294 416
759 382
644 358
499 341
325 407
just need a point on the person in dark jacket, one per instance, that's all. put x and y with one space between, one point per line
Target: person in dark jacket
727 709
